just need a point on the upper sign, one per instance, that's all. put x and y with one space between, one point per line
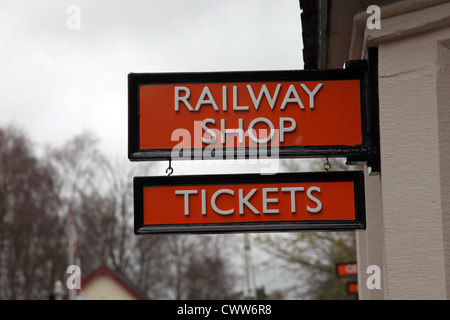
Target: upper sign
346 269
217 115
249 202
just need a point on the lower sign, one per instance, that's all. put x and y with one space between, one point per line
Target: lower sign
352 287
249 203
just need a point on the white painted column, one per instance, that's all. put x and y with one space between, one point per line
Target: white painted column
410 239
369 243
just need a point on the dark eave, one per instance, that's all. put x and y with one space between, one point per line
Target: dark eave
327 30
314 26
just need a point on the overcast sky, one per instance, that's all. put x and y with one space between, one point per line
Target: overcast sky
57 82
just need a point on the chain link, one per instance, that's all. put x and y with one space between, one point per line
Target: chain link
327 165
169 170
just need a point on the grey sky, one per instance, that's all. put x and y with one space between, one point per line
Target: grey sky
57 82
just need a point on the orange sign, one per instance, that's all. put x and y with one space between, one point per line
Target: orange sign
352 287
346 269
198 116
299 201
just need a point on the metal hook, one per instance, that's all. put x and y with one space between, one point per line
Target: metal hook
327 165
169 170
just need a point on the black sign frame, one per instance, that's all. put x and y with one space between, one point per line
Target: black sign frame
139 183
363 70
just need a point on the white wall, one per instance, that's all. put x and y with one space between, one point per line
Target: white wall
408 209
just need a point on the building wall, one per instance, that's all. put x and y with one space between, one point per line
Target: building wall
105 288
408 212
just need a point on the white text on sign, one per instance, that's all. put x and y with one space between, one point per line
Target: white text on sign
244 200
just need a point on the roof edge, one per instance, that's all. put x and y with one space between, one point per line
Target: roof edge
314 19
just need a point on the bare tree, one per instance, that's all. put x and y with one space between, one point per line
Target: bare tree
98 191
79 168
312 256
209 274
30 244
198 267
77 182
150 266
